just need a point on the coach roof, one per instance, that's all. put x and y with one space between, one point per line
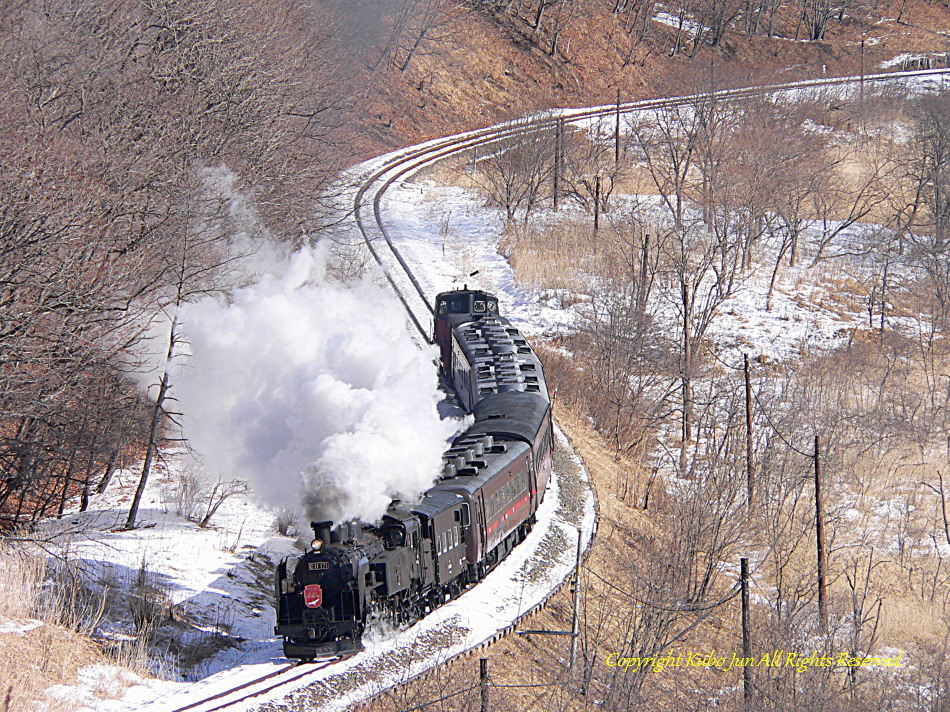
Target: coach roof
515 416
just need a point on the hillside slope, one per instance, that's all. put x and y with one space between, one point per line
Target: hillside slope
474 66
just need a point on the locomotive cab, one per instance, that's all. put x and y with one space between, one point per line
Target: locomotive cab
473 303
454 308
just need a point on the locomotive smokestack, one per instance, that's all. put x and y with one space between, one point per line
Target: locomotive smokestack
321 530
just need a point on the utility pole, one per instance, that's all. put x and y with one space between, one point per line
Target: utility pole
746 634
617 131
820 534
862 71
748 431
574 632
597 202
558 132
687 431
575 590
483 682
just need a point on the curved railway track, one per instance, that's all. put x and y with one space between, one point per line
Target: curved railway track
248 690
404 163
369 192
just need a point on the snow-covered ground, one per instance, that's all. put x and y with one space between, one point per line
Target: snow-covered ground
215 584
801 313
218 579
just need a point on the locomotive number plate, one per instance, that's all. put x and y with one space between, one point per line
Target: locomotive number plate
318 565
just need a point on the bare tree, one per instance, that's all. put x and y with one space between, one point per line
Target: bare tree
679 147
625 355
112 112
588 165
418 28
929 211
518 167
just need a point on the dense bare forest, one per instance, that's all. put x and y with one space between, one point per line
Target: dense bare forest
126 128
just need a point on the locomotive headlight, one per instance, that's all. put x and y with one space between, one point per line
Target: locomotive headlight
316 544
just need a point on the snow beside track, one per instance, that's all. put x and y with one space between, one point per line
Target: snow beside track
219 577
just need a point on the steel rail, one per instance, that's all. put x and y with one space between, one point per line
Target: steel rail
256 681
417 158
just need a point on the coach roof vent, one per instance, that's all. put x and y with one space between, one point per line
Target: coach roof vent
474 444
449 471
465 453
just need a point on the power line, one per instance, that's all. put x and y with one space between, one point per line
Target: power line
441 699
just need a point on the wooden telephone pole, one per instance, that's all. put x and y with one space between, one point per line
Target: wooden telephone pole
748 431
483 682
558 148
617 131
746 633
574 632
820 535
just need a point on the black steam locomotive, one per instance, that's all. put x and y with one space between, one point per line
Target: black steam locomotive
422 554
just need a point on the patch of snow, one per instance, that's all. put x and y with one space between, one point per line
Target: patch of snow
691 27
900 59
21 627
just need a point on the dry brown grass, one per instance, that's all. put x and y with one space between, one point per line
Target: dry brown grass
548 258
56 645
867 482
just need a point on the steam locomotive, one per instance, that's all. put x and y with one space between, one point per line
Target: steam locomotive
424 553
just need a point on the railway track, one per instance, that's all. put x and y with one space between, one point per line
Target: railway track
401 164
367 214
244 693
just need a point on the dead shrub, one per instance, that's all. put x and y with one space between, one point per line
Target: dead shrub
149 602
286 521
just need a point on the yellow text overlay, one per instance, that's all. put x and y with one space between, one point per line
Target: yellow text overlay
725 661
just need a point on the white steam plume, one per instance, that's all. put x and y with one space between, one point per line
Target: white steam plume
312 392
